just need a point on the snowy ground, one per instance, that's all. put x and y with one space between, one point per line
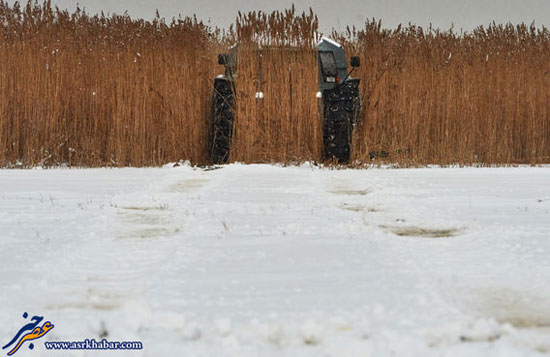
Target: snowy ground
270 261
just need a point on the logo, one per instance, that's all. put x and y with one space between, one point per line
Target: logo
35 333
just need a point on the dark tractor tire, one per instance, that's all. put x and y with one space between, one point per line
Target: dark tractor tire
341 106
222 121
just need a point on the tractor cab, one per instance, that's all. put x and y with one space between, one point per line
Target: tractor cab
333 66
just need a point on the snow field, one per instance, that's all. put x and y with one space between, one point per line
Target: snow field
264 260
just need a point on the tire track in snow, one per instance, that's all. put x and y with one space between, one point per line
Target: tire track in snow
135 239
377 202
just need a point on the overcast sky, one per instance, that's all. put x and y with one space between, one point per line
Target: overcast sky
465 14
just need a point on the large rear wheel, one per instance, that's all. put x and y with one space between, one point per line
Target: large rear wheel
341 106
222 121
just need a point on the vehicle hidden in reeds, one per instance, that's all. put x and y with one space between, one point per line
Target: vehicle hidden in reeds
339 105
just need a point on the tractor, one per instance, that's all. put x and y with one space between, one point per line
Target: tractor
339 107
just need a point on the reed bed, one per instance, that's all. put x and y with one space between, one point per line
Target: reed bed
99 90
102 90
439 97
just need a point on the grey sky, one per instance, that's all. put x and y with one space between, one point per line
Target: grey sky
464 14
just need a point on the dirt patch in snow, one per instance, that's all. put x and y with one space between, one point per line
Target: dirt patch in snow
351 192
146 208
187 185
414 231
143 218
351 207
521 309
357 208
146 233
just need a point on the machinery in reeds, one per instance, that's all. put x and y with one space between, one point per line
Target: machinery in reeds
339 100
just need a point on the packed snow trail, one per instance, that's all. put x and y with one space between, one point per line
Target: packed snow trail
267 260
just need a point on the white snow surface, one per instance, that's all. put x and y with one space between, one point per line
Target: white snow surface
261 260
